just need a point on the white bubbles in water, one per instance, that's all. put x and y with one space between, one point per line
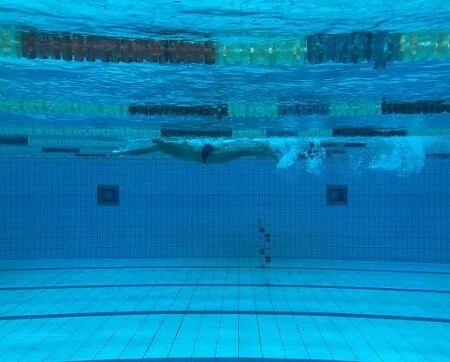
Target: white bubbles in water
402 155
405 155
314 165
287 151
288 158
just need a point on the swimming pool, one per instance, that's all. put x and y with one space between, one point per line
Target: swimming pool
224 180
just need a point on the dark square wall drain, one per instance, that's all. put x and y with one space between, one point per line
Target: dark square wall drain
108 195
337 195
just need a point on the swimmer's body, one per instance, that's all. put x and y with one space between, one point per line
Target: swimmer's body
213 151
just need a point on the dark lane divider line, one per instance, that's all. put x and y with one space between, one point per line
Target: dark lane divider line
225 312
215 359
226 267
246 285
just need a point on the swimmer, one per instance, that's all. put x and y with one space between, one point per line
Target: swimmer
216 150
205 151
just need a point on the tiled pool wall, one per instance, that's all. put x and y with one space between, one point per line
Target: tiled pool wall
167 208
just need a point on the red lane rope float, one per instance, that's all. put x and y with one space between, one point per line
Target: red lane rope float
75 47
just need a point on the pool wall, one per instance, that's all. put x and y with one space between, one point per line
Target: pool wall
166 208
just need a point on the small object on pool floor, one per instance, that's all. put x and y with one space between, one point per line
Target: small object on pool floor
108 195
337 195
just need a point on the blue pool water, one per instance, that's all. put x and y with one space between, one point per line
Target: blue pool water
224 180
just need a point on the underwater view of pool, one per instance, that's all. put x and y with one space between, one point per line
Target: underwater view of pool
231 179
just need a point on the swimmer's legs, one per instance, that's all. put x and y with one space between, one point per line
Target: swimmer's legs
207 153
137 151
181 150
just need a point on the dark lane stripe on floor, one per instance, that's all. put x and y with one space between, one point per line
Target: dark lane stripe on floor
225 267
219 285
225 312
215 359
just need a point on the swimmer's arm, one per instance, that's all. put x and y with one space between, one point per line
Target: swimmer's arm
134 152
169 145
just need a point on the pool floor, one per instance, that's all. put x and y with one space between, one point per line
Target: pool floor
80 310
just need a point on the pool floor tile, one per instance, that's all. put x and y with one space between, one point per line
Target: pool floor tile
298 318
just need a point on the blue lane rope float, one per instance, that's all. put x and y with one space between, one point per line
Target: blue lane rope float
420 107
378 48
77 47
232 110
368 132
55 107
59 150
218 111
